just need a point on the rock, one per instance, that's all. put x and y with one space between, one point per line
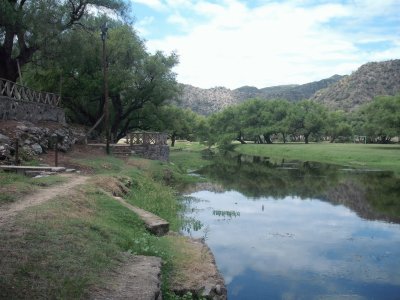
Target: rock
4 139
37 149
22 127
218 290
4 152
36 139
207 291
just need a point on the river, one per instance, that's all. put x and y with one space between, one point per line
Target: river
297 230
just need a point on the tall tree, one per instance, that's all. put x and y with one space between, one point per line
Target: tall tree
382 118
177 122
136 78
337 125
29 26
307 117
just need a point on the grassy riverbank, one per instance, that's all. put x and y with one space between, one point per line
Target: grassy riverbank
63 248
369 156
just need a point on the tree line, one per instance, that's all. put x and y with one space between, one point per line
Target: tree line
269 121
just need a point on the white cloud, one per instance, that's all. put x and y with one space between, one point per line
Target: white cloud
154 4
276 43
142 25
178 19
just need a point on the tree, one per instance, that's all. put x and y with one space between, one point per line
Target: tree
205 133
307 117
381 118
29 26
177 122
136 78
337 125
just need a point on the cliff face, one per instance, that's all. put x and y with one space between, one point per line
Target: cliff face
339 92
206 101
370 80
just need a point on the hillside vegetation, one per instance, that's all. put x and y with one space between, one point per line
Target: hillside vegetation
370 80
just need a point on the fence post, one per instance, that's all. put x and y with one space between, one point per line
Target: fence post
16 152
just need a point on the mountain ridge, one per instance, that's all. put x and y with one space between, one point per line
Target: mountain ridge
345 92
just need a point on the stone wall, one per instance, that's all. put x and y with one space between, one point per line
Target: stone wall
34 139
157 152
11 109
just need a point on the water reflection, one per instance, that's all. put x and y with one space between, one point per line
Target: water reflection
292 233
373 195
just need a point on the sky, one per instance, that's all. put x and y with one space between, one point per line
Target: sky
261 43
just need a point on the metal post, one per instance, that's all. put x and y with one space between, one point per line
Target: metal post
105 67
16 152
56 152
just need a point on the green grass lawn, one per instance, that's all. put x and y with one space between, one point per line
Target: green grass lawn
369 156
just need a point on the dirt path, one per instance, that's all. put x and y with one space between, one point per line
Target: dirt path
9 211
138 278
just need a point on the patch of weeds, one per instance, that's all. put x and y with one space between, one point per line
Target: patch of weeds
187 296
13 186
103 164
47 181
157 198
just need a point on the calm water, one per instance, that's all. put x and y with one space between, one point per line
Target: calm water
300 231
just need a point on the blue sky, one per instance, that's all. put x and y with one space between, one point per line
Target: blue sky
263 43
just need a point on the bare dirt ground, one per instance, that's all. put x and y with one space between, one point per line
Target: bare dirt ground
7 212
138 277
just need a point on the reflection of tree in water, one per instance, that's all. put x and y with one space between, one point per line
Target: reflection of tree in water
373 195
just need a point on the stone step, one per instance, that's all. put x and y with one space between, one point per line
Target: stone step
38 173
32 168
153 223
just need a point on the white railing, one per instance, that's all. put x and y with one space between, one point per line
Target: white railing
22 93
146 138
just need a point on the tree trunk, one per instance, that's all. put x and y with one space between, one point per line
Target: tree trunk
306 138
8 67
173 139
267 138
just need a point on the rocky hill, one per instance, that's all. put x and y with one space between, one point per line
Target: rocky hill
370 80
345 92
290 92
207 101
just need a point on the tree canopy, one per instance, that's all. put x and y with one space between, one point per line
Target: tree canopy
29 26
136 77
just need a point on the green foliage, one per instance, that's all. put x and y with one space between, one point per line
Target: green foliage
265 121
381 118
136 78
27 27
261 121
177 122
306 118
